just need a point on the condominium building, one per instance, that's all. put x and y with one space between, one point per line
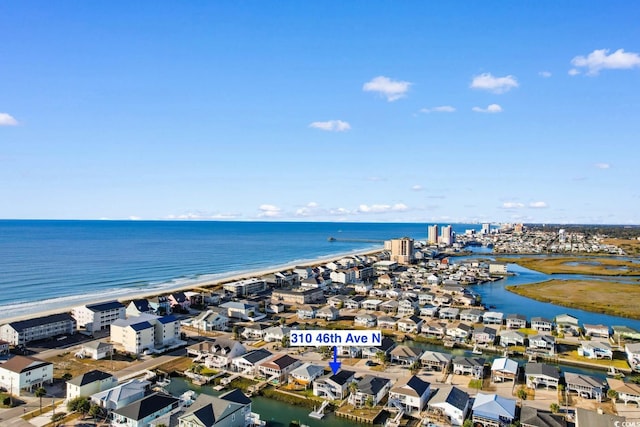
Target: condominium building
402 250
432 237
97 317
245 287
447 236
24 331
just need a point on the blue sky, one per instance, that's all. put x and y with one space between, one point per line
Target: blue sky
321 111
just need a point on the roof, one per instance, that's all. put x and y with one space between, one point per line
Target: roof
542 369
21 325
586 418
236 396
308 370
97 345
146 406
468 361
141 326
89 377
622 387
342 377
283 361
582 380
256 356
131 320
372 385
413 386
210 410
104 306
436 356
516 316
386 344
504 364
167 319
122 392
214 345
406 351
141 305
452 395
493 406
21 364
539 418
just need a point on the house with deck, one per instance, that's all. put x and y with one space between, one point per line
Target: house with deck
370 388
247 363
534 417
411 324
328 313
473 366
410 394
492 410
632 351
306 373
448 313
504 369
516 321
472 315
216 352
627 392
435 360
450 402
333 387
541 324
511 337
599 331
405 355
585 385
543 344
459 332
366 320
595 350
567 324
278 367
493 318
484 335
541 374
143 412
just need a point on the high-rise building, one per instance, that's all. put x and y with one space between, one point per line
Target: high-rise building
447 235
402 250
432 237
486 228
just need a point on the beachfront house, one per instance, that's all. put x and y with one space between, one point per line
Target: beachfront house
516 321
25 373
178 301
585 385
278 367
160 305
245 287
503 369
365 319
541 374
510 337
450 402
84 385
469 366
600 331
541 324
435 360
492 410
405 355
633 355
98 317
144 411
138 307
595 350
333 387
370 389
22 332
410 394
216 352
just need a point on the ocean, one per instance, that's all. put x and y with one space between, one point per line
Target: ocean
53 264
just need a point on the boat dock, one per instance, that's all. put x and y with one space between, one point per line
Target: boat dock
318 414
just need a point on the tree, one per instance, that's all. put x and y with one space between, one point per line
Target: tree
79 404
196 368
285 341
40 392
382 357
555 408
67 376
612 394
415 367
522 394
95 411
236 332
369 402
467 423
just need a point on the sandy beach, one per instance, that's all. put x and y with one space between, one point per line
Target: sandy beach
192 286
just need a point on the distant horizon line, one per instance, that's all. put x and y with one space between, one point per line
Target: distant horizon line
311 221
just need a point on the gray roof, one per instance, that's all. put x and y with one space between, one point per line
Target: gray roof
372 385
586 418
167 319
342 377
542 369
468 361
436 356
540 418
582 380
146 406
414 386
210 410
452 395
89 377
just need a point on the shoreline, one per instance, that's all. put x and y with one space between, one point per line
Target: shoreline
224 278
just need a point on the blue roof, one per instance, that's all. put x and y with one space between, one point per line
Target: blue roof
494 407
141 326
167 319
104 306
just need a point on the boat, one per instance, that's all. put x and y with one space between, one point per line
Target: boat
476 350
613 372
163 382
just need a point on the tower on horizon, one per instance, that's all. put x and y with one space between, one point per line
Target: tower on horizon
432 236
447 235
402 250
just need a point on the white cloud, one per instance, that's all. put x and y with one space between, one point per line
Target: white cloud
388 88
573 72
331 126
7 120
440 109
512 205
538 205
417 187
599 59
545 74
198 215
398 207
493 108
494 84
269 211
602 165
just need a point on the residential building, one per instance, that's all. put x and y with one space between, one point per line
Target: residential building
387 322
138 307
254 331
410 394
587 418
160 305
306 312
627 392
306 373
432 234
370 388
452 403
541 374
600 331
242 288
449 313
242 311
633 355
533 417
95 350
211 320
405 355
385 347
567 324
595 350
402 250
297 296
276 333
97 317
278 367
508 337
484 335
492 318
121 395
166 331
328 313
365 319
412 325
92 382
447 236
216 352
541 324
469 366
435 360
22 373
503 369
492 410
459 332
516 321
247 363
545 344
232 409
142 412
178 300
333 387
24 331
497 268
585 385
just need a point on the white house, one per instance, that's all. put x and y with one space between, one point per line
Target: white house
211 320
216 352
232 409
451 402
633 355
92 382
278 367
503 369
95 350
144 411
541 374
121 395
25 373
248 362
276 333
365 319
97 317
410 394
595 350
328 313
601 331
334 387
370 388
306 373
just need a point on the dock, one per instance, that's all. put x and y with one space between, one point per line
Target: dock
318 414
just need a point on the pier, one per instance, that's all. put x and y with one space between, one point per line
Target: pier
318 414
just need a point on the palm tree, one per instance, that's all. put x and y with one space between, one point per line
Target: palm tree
40 392
612 394
522 394
555 408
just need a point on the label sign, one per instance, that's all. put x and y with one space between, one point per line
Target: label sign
320 338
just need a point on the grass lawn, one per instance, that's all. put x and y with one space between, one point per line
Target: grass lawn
598 266
617 299
527 331
630 246
179 364
67 363
616 363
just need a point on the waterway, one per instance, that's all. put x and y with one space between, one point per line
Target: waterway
275 413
